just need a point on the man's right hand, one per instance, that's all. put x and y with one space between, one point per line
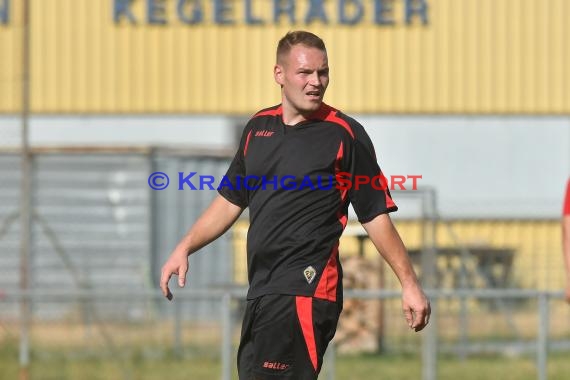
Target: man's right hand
176 264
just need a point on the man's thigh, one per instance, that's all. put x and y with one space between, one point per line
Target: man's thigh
285 337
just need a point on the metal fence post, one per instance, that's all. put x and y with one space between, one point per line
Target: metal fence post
226 336
429 344
429 273
542 339
25 200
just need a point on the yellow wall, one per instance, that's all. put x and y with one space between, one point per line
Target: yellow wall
484 56
537 263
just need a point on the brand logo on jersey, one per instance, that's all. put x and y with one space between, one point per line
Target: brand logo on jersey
310 273
264 133
276 365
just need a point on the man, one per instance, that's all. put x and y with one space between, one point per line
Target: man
295 277
566 238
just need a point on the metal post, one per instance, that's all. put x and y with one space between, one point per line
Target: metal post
25 200
463 313
429 345
542 339
429 271
226 336
429 258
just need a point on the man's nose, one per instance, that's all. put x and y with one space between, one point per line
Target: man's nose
314 79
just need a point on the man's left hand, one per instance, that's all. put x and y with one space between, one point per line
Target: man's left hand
416 307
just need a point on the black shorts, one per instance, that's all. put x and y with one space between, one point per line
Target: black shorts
285 337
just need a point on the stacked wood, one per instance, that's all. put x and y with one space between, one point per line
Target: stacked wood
360 325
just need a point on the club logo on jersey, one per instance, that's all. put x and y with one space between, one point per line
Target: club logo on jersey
264 133
310 273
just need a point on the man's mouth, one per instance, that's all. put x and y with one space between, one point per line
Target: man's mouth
314 94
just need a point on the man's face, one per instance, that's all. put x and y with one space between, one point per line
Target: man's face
304 77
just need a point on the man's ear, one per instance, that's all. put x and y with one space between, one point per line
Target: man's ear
278 74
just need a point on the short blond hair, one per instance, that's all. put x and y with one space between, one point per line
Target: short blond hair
298 37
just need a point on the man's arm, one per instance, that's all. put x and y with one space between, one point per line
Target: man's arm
216 220
566 251
388 242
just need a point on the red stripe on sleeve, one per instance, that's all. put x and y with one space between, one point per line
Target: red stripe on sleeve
246 143
384 183
305 315
389 202
566 210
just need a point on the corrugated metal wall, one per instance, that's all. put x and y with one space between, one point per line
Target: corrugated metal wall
9 222
484 56
91 222
97 225
90 225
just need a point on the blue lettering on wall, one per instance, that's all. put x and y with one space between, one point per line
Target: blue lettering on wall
122 8
419 7
383 14
156 12
224 12
221 10
249 17
279 8
4 11
197 13
316 11
356 17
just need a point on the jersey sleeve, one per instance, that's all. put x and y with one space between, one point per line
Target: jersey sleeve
231 186
369 198
566 209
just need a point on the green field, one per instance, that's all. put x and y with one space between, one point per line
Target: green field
69 365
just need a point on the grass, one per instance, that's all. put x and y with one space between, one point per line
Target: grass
402 367
139 365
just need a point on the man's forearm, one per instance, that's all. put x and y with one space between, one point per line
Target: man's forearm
216 220
388 242
415 304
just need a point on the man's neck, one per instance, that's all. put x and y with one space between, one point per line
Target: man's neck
293 117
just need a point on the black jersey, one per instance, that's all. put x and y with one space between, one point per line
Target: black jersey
288 176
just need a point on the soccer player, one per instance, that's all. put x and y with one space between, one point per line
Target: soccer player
288 153
566 238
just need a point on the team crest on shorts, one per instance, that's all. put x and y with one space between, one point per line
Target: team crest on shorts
310 273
